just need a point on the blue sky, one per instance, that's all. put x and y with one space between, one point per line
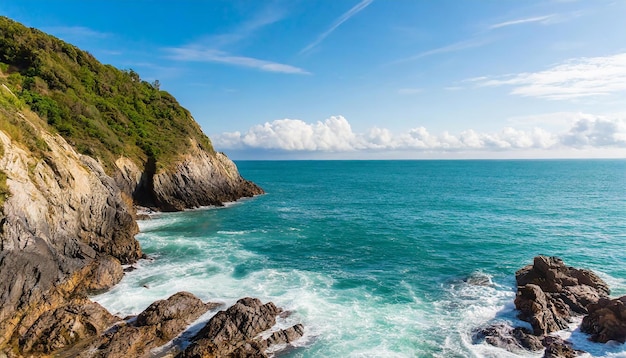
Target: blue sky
371 78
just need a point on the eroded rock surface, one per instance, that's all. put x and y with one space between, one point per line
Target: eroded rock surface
65 231
156 325
556 347
235 332
606 320
506 337
549 293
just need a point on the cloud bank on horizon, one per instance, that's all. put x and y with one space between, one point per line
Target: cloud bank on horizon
335 134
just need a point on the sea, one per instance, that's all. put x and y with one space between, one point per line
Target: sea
389 258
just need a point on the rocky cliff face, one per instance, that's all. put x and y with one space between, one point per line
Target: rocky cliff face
64 232
66 227
198 178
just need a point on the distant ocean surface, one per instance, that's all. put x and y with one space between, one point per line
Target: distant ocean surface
377 258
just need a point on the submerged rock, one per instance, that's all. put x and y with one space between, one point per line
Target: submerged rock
504 336
606 320
236 332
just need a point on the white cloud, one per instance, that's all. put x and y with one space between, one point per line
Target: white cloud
197 53
455 47
576 78
540 19
75 32
340 20
336 135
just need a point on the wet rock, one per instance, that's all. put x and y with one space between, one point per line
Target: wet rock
550 293
156 325
556 347
544 313
606 320
235 332
504 336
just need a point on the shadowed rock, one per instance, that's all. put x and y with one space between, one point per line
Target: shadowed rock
549 293
506 337
156 325
556 347
235 332
606 320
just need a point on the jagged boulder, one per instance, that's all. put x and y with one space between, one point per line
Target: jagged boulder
506 337
156 325
544 313
235 332
556 347
549 293
606 320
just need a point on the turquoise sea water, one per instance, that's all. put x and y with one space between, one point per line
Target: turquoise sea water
376 258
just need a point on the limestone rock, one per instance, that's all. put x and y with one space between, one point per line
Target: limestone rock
235 332
606 320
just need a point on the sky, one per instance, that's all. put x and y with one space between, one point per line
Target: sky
371 79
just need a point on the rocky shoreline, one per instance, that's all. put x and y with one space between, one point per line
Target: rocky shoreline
67 228
550 295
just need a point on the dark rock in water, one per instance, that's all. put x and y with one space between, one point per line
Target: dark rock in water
479 279
234 332
129 268
549 293
556 347
156 325
66 325
544 313
504 336
606 320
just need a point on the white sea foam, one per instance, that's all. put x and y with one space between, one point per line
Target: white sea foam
351 322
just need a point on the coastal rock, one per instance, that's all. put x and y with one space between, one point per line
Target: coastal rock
606 320
65 228
544 313
506 337
156 325
556 347
235 332
549 293
81 319
201 179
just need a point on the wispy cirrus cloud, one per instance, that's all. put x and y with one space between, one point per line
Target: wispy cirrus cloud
75 31
457 46
246 29
540 19
575 78
198 54
210 48
340 20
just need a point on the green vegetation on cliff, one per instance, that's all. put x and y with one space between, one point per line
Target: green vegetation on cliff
102 111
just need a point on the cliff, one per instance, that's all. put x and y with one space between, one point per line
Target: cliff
80 143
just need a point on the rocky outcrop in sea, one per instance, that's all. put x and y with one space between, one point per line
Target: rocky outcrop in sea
549 296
